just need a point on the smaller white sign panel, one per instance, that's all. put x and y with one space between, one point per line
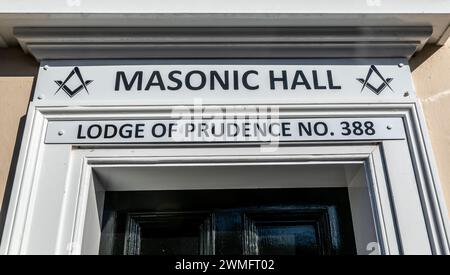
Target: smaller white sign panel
223 130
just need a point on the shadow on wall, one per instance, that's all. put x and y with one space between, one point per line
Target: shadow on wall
11 173
418 58
14 63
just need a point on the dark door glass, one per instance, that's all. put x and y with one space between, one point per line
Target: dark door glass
281 239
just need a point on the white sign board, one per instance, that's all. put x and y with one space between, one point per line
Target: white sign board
223 130
218 81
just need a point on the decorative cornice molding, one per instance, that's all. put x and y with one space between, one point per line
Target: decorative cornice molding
223 42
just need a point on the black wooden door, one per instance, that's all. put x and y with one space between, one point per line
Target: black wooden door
228 222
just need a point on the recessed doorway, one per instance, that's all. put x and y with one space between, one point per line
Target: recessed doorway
300 221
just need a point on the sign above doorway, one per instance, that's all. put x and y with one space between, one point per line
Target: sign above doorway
220 81
224 130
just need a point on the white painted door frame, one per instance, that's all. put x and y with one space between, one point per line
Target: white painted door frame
49 199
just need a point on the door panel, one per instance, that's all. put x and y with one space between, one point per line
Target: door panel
228 222
291 231
183 233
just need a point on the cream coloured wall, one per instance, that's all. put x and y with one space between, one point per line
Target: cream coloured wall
17 72
431 75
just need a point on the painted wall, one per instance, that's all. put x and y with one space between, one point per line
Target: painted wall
431 71
17 72
431 74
